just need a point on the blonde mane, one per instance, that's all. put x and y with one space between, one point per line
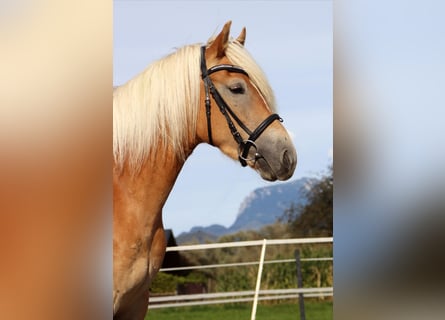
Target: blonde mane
159 107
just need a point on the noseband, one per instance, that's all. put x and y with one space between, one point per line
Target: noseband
244 145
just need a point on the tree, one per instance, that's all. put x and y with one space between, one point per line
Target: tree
314 219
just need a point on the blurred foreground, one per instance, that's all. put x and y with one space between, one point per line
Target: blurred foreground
389 160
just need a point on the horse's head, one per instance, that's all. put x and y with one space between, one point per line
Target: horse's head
238 116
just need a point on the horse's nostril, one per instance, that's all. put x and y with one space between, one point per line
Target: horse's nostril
285 160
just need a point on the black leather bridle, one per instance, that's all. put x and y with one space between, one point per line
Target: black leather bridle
244 145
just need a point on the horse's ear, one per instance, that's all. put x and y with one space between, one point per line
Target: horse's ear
218 47
242 37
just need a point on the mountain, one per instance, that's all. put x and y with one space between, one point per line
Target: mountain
196 237
261 207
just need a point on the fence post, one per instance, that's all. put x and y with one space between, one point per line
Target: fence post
300 285
258 281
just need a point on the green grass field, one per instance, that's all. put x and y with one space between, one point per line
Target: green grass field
241 311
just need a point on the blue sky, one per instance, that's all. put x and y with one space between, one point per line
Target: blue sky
290 40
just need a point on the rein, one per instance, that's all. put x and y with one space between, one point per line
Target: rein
244 145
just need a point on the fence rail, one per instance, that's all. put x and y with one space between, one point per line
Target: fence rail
249 243
240 264
243 296
216 298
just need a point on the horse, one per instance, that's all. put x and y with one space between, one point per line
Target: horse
159 117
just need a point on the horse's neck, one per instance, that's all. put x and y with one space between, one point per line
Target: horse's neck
141 197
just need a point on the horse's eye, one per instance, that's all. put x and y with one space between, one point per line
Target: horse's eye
237 89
